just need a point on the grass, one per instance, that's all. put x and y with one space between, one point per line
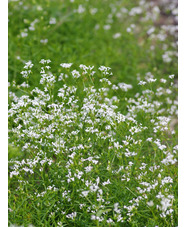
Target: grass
92 146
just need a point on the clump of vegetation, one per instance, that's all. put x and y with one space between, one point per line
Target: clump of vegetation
93 113
83 161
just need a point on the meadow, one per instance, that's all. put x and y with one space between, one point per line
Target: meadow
92 116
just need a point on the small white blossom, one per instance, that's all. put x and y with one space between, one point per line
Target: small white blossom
44 41
171 76
52 20
150 203
116 35
107 27
75 74
28 65
66 65
142 82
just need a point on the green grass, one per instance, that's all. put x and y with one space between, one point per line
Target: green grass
126 136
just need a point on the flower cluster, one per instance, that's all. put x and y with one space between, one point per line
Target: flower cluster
86 155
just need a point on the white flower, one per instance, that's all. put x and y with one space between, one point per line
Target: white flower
60 224
116 145
93 11
171 76
151 30
43 61
106 182
85 193
80 9
93 217
114 87
165 204
28 65
75 74
66 65
117 35
163 80
151 80
25 74
142 82
24 34
150 203
106 27
52 20
44 41
72 215
149 139
24 85
167 56
110 220
129 29
124 86
105 70
88 169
